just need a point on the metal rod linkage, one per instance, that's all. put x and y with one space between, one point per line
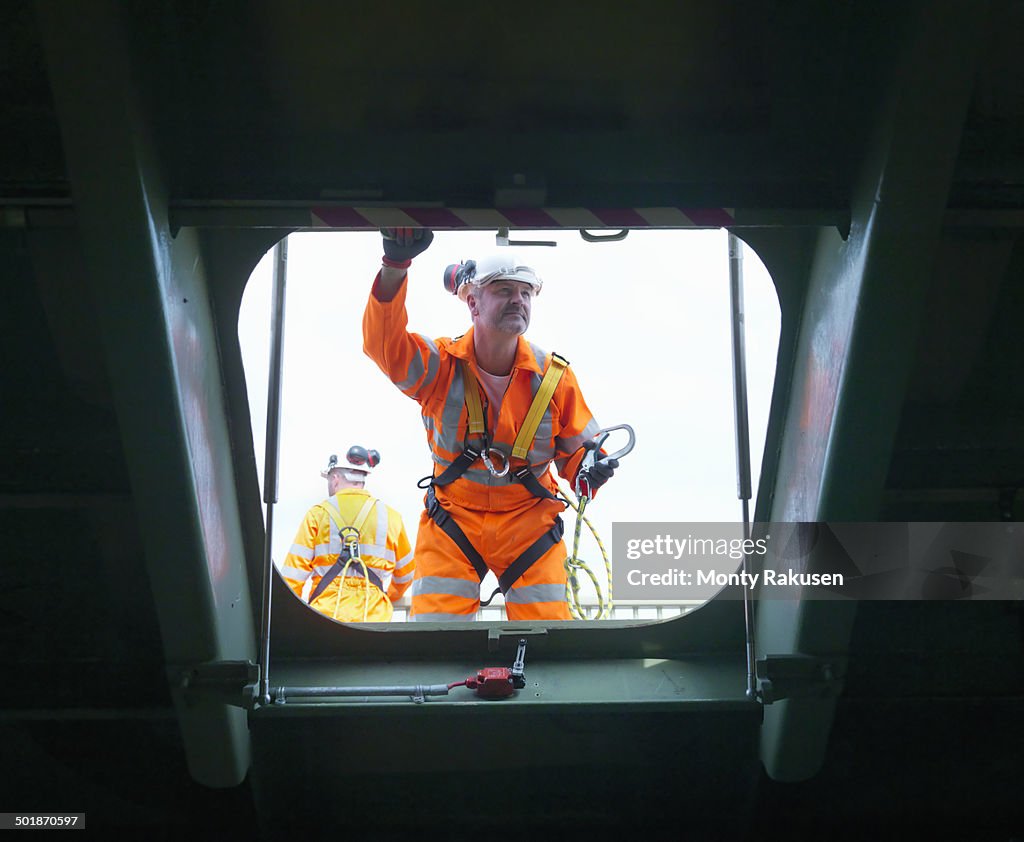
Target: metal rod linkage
743 484
383 690
270 465
417 692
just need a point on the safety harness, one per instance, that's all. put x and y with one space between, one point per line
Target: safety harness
520 449
349 554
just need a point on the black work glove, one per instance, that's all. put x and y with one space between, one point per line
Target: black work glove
401 245
601 471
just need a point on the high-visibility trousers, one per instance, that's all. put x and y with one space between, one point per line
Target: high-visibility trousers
447 586
355 596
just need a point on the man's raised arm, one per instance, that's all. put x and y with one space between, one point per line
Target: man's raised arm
408 359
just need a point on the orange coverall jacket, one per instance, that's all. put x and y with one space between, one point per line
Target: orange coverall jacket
499 515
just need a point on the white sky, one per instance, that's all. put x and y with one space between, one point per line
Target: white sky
643 322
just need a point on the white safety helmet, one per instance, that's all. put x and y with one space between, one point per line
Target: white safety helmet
356 466
498 267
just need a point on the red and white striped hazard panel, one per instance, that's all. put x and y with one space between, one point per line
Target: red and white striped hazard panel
371 218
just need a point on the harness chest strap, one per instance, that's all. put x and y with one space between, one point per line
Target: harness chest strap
541 401
343 556
524 439
521 446
474 409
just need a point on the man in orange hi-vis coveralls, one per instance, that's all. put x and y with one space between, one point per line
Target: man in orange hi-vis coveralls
351 550
498 411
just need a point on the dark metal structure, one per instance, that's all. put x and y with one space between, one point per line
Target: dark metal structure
871 153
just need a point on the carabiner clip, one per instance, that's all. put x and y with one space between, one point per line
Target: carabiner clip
618 454
350 539
594 453
485 454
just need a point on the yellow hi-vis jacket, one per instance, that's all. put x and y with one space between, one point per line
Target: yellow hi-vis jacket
383 547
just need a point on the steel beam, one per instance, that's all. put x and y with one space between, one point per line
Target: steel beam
856 346
156 324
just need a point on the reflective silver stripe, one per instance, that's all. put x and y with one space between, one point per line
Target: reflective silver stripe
536 593
543 447
334 548
438 617
535 381
481 476
385 579
401 580
433 361
446 586
456 397
404 560
414 372
320 550
381 535
539 354
301 552
572 444
294 573
377 551
321 569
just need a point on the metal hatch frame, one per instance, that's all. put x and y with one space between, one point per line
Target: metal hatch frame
167 291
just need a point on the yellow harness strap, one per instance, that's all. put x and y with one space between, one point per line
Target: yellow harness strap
541 401
357 524
474 408
555 370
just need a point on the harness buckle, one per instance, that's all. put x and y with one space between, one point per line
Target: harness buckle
434 508
558 530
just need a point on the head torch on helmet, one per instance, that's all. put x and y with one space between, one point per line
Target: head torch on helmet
501 267
358 458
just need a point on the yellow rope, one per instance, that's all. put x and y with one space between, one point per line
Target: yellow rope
353 545
573 564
